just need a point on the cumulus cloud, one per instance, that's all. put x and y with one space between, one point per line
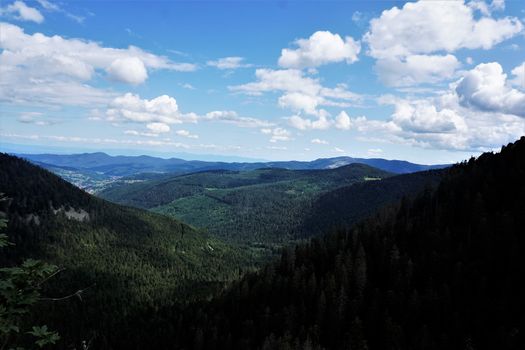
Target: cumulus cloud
129 70
323 122
158 128
162 109
320 48
415 69
298 101
230 63
51 69
342 121
20 11
423 28
486 88
160 112
404 36
421 117
277 134
299 92
478 113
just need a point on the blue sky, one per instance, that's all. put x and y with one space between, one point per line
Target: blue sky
427 81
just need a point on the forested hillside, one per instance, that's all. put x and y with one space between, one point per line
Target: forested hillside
343 207
442 271
243 207
129 260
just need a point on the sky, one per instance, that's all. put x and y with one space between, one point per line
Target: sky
426 81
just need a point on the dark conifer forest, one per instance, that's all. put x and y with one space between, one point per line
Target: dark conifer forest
430 260
441 271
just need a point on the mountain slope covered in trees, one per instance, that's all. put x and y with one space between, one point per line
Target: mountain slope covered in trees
129 259
442 271
242 206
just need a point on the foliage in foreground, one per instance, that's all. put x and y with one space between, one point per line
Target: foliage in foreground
19 291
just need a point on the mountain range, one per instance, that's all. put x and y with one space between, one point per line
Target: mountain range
130 165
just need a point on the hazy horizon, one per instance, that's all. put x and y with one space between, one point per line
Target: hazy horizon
38 150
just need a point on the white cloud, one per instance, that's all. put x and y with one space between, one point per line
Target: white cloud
498 5
186 133
22 12
35 118
298 101
232 117
319 142
289 80
321 48
416 69
323 122
486 88
342 121
158 128
424 27
234 62
277 148
420 117
339 150
138 133
129 70
55 70
106 141
48 5
277 134
162 109
53 7
479 112
403 37
299 92
485 8
187 86
519 76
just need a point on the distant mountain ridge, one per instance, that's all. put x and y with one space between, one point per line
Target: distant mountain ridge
130 165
